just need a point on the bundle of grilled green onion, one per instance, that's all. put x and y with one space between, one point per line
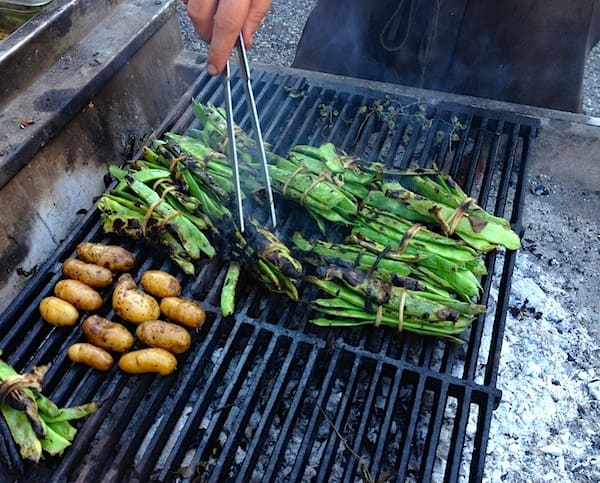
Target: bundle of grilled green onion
406 253
36 424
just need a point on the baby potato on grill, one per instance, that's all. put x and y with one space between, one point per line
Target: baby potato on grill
107 334
93 275
160 283
148 361
79 294
58 312
90 355
168 336
132 304
113 257
183 311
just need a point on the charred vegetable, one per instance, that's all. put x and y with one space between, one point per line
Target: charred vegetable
36 424
229 288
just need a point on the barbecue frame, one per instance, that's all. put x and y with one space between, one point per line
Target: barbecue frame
270 354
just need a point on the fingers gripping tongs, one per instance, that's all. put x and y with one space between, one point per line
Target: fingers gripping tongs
245 76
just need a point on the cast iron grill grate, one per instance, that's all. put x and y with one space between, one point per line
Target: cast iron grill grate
265 396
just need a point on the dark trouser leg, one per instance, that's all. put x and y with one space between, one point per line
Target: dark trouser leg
336 40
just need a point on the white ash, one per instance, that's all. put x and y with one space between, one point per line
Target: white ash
240 456
217 355
546 426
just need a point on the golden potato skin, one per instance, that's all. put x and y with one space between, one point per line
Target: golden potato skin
79 294
90 355
157 333
59 312
113 257
107 334
183 311
93 275
133 304
160 283
148 361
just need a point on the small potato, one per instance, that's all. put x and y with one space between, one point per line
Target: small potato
171 337
90 355
115 258
58 312
183 311
143 361
132 304
93 275
109 335
79 294
160 283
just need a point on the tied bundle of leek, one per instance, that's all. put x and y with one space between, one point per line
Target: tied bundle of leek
185 204
36 424
417 241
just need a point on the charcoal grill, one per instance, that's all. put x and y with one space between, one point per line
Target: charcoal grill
264 395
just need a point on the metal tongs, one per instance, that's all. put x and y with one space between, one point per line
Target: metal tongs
245 76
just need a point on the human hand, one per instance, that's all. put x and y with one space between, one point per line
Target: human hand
219 22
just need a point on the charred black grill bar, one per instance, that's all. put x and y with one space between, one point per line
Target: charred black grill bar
265 396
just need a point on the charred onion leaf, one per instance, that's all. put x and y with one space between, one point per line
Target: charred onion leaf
229 288
35 423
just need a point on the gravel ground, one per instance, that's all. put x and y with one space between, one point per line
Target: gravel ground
546 428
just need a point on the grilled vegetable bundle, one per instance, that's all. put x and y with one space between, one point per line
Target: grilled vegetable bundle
36 424
406 252
184 204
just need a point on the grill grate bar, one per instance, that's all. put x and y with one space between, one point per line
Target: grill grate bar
432 140
477 330
275 398
333 442
490 167
348 142
510 158
459 432
200 405
464 141
227 400
390 411
292 410
410 430
491 371
367 411
467 179
179 398
323 386
152 396
430 449
108 396
480 442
